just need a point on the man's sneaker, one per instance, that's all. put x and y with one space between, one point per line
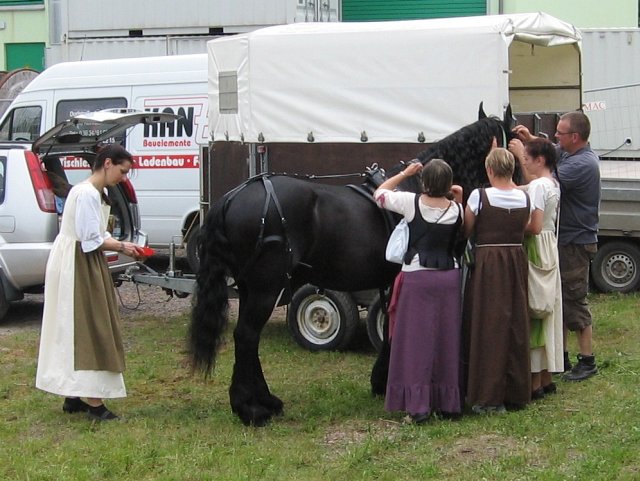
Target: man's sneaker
585 368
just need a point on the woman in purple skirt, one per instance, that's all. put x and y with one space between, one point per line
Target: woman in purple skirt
424 369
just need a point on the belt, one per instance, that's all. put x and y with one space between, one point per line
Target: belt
498 245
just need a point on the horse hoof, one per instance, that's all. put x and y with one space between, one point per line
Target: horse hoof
378 388
255 421
260 423
255 415
275 405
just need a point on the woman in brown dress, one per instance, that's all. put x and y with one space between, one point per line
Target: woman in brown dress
496 318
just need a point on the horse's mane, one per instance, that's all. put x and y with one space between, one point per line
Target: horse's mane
465 151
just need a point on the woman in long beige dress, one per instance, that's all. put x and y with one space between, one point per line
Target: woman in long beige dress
538 161
81 350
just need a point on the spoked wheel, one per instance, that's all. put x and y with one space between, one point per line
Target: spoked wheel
322 320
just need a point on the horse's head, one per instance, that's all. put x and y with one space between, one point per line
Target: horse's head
508 123
466 149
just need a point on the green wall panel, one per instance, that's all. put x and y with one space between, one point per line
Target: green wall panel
374 10
13 3
19 55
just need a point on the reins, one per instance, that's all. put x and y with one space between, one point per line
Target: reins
504 135
331 176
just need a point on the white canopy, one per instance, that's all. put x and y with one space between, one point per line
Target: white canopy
373 81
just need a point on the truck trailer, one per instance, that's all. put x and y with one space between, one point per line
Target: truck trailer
328 100
611 99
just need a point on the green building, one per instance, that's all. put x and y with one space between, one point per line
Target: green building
581 13
375 10
24 30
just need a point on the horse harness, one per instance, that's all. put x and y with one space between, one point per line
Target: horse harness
373 178
262 239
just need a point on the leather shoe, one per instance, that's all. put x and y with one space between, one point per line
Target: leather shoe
537 394
74 405
101 413
585 368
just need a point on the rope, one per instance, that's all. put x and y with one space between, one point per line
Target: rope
122 303
614 150
332 176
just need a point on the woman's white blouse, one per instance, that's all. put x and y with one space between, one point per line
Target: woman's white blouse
89 219
507 199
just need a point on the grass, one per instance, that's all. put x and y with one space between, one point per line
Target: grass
179 427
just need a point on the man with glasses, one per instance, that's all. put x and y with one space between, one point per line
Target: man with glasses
578 173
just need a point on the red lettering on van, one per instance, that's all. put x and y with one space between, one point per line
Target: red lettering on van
166 161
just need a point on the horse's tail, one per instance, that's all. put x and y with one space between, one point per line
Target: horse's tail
210 313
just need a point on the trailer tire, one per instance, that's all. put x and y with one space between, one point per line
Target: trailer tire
322 320
375 323
616 267
193 254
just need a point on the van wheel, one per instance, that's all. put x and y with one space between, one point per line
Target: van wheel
616 267
375 323
322 320
193 255
4 303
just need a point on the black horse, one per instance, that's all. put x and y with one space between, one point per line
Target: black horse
275 233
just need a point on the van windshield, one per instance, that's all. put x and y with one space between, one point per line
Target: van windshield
22 124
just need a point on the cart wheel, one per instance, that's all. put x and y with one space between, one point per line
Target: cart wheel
375 323
616 267
322 320
193 255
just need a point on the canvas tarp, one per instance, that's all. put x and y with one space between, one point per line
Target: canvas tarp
404 81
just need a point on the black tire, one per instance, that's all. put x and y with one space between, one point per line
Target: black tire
4 303
375 323
193 255
616 267
322 320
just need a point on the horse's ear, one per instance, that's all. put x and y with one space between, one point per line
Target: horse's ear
481 114
509 120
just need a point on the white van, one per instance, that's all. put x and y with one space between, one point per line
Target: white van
31 198
166 156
